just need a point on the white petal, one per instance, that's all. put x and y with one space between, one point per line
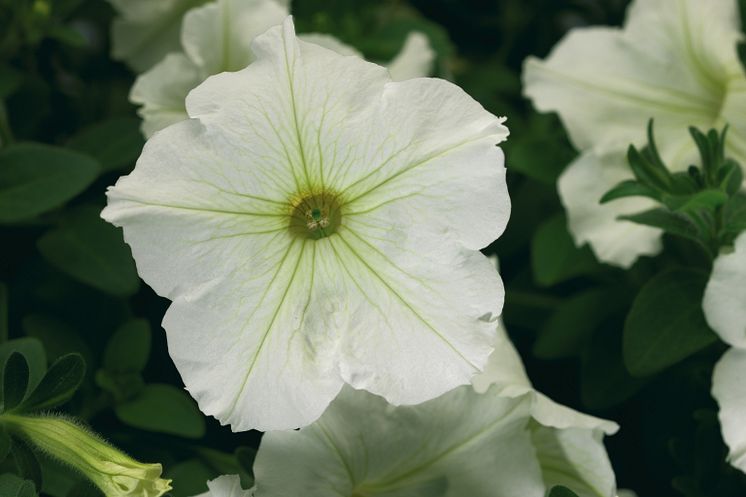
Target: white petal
147 30
225 486
162 90
575 458
729 390
581 187
415 60
330 42
724 301
672 62
417 325
461 444
266 325
217 37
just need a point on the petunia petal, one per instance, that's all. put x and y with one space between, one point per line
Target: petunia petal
581 186
456 445
724 302
575 458
671 62
415 59
217 37
225 486
161 92
729 390
147 31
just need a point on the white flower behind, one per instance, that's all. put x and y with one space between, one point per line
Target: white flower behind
675 61
317 224
226 486
492 441
724 305
217 37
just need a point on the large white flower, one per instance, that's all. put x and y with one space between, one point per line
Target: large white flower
725 309
675 61
217 37
316 224
498 442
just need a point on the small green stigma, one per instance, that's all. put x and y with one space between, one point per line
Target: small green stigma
315 216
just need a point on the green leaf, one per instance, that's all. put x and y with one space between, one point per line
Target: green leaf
36 178
68 36
730 177
5 443
630 188
605 381
59 384
190 477
14 486
58 337
666 324
115 143
734 217
92 251
10 80
123 386
3 312
554 257
560 491
26 462
165 409
15 381
128 349
671 222
706 199
33 351
568 329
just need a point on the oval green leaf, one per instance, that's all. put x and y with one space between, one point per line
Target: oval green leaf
165 409
36 178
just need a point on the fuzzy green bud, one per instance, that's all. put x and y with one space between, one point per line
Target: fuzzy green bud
112 471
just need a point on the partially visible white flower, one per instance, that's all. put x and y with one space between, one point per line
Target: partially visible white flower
226 486
724 305
506 441
317 224
674 61
569 444
217 37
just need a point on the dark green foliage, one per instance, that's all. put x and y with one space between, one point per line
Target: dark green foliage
665 324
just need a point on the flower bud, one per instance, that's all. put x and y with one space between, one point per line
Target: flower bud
112 471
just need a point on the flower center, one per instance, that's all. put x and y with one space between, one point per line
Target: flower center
315 216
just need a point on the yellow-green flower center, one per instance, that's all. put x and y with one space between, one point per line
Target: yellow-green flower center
315 215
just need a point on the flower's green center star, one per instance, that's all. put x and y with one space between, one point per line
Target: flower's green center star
315 215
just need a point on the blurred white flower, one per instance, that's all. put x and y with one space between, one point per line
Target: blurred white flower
226 486
725 309
144 31
217 37
497 439
675 61
317 224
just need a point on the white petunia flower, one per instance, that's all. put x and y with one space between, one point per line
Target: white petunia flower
675 61
217 37
724 305
317 224
463 443
226 486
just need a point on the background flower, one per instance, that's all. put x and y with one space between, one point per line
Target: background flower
725 309
675 62
498 439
